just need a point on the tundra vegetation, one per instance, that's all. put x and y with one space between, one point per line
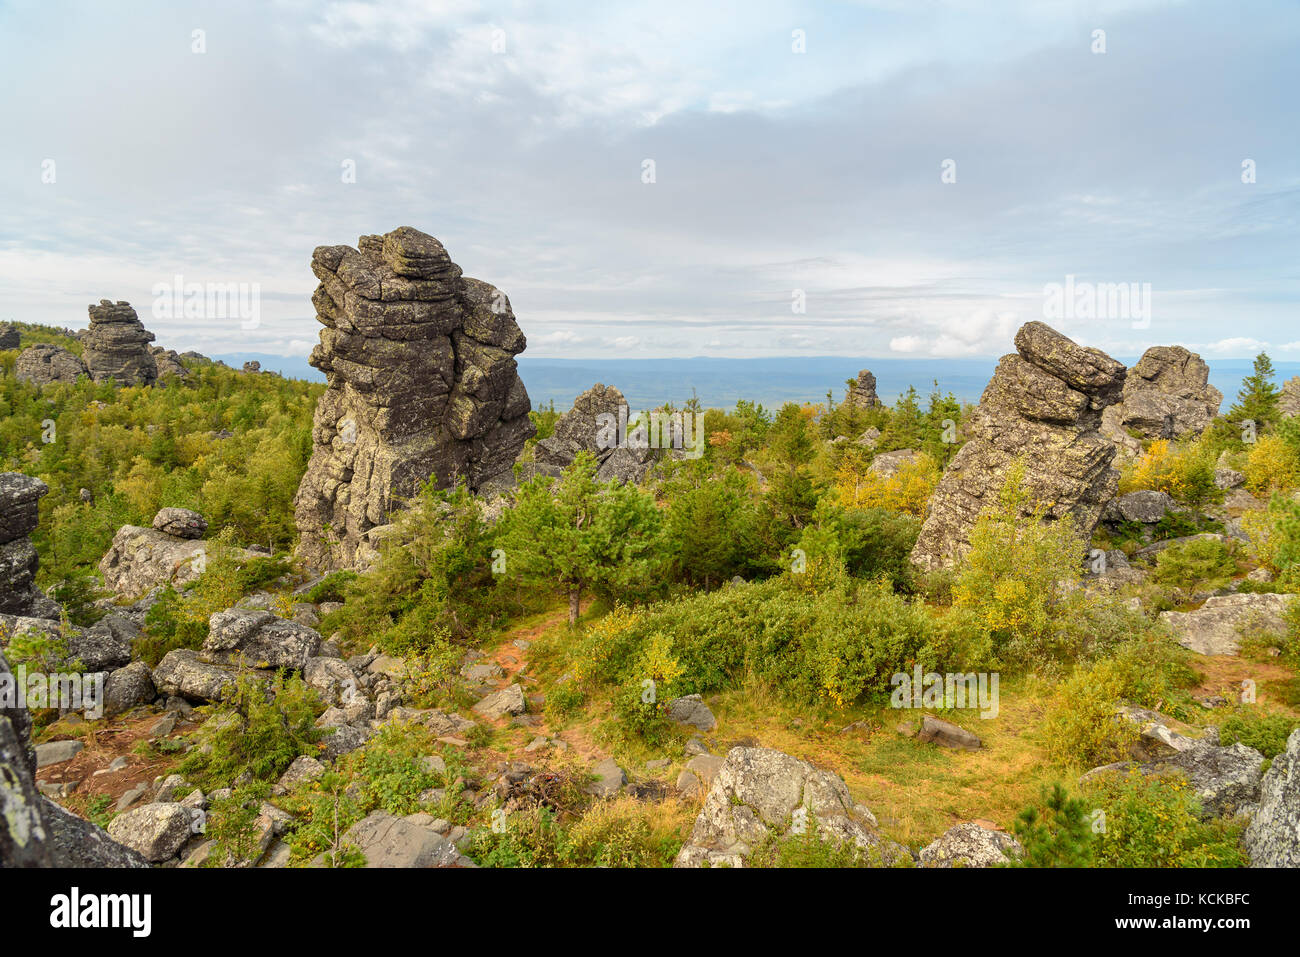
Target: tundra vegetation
770 576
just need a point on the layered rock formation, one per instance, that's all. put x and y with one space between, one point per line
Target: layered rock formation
43 363
579 430
863 392
169 363
1043 408
116 346
422 383
1166 395
20 497
10 338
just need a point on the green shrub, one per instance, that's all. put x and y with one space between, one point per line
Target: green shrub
1266 733
1200 564
1056 833
259 730
1154 821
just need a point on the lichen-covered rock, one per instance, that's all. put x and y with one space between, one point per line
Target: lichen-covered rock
1273 837
180 522
1145 506
128 687
422 383
759 795
258 639
154 831
141 559
20 497
1217 627
181 672
1042 407
580 430
1166 395
116 346
1289 403
44 363
970 845
169 363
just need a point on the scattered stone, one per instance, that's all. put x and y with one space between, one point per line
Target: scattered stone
888 464
56 752
756 793
609 779
691 710
1146 507
155 831
127 688
389 841
182 673
947 734
507 700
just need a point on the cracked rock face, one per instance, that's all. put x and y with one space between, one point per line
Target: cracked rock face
44 363
580 429
863 392
116 346
1166 395
422 383
1042 407
19 499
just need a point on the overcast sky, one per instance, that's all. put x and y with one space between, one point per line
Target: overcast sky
518 132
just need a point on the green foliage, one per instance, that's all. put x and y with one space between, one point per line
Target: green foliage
1258 398
1057 833
1266 732
259 730
711 527
331 588
1013 575
323 813
577 535
142 448
232 824
1154 821
432 586
1202 563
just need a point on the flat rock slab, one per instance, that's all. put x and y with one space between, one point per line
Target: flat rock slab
947 734
1217 627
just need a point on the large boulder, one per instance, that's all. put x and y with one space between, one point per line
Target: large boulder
1273 837
180 522
1167 395
1217 627
389 841
1042 408
754 799
258 639
154 831
422 383
181 672
116 346
970 845
44 363
141 559
584 428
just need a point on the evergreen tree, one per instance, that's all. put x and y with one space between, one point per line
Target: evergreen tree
1057 835
1258 397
